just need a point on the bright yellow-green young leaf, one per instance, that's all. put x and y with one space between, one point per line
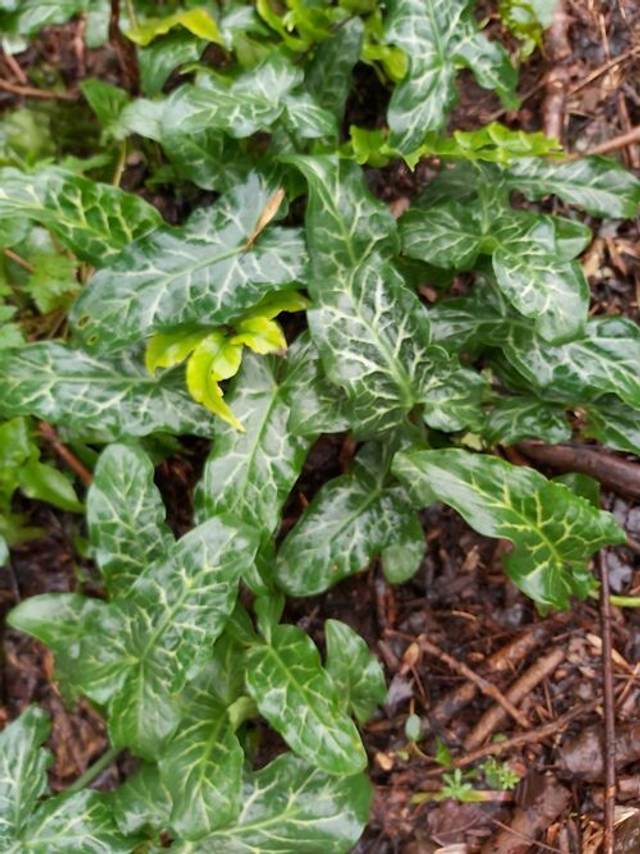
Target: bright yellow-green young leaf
165 350
197 21
273 304
213 360
260 335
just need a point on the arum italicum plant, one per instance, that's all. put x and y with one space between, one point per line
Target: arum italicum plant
185 647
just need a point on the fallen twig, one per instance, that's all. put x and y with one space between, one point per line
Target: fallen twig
632 137
612 471
32 92
609 707
48 433
558 49
495 717
549 730
527 824
483 684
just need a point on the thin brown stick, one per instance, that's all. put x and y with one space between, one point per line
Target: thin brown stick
15 68
632 137
486 687
48 433
598 72
18 259
32 92
609 707
614 472
495 717
532 736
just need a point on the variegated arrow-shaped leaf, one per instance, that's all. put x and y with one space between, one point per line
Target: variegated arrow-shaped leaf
81 823
357 673
600 186
204 274
202 765
437 36
27 17
554 532
253 102
328 75
292 806
615 425
605 361
299 699
350 521
125 516
142 802
95 221
513 419
115 398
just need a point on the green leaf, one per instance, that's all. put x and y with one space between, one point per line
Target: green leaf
160 58
15 449
615 425
250 474
95 221
118 398
202 766
605 361
357 673
197 21
402 558
208 158
291 806
553 531
251 102
214 359
107 102
599 185
306 119
168 349
23 771
347 524
53 281
125 516
513 419
29 16
45 483
300 701
203 274
437 37
142 802
82 823
328 75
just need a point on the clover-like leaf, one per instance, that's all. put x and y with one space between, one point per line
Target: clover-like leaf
357 673
125 516
553 531
292 806
202 274
350 521
599 185
116 398
201 766
299 699
437 37
95 221
604 361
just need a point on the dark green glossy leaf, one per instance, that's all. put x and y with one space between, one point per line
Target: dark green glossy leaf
513 419
45 483
605 361
403 557
142 802
87 395
290 806
203 274
299 699
615 425
23 772
328 75
357 673
95 221
125 516
202 766
597 184
251 474
208 158
347 524
553 531
27 17
162 56
437 37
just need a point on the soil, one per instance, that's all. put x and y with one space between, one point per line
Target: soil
460 604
